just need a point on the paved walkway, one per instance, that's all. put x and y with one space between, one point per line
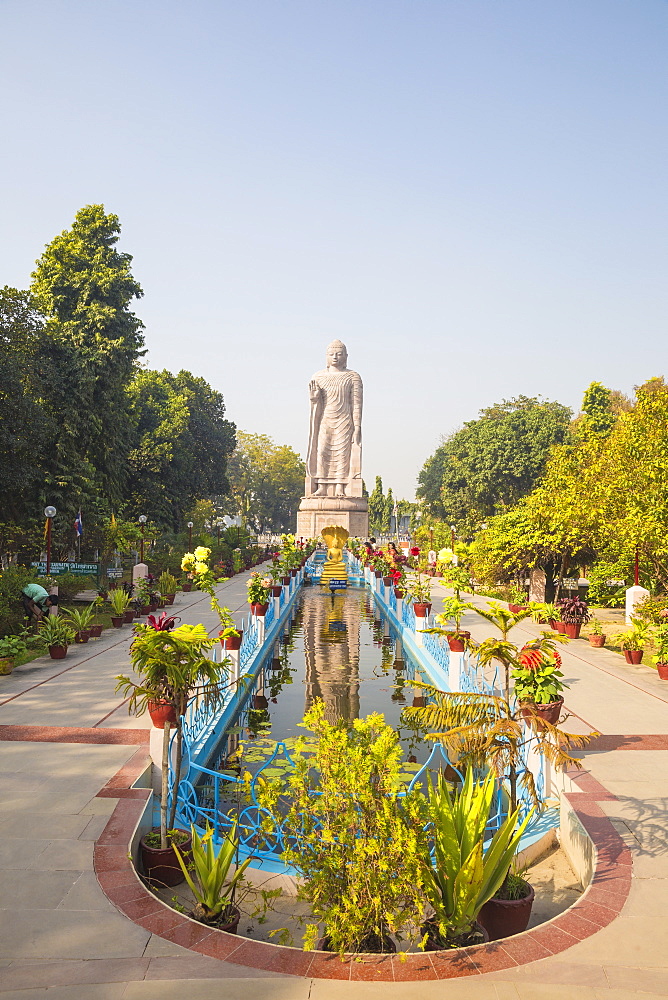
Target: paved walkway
64 736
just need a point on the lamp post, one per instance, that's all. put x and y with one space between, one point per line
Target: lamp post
190 535
431 537
452 537
49 514
142 521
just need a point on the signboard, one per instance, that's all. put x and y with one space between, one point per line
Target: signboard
60 568
338 584
113 573
615 583
570 583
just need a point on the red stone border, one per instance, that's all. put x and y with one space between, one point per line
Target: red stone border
74 734
599 905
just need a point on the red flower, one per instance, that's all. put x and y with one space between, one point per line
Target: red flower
415 551
165 623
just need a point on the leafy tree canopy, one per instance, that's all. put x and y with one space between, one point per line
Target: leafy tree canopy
490 463
266 482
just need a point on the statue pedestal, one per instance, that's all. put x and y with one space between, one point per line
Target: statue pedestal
316 513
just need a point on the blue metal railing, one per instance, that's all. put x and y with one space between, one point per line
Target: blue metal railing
439 649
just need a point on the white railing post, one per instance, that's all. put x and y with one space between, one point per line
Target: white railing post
420 623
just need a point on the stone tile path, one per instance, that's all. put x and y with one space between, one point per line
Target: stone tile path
68 747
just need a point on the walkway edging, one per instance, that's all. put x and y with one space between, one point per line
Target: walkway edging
601 902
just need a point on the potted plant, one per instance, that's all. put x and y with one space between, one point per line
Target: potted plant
463 876
574 614
11 648
142 596
399 583
596 634
455 609
119 601
660 658
210 883
538 681
167 585
80 619
509 910
632 640
172 667
419 589
517 599
258 594
56 634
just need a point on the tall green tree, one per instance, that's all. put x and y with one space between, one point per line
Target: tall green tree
180 445
84 286
24 421
493 461
266 482
377 507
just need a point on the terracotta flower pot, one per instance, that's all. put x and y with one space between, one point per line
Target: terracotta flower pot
597 640
276 590
387 580
95 631
286 580
83 635
503 917
457 641
233 642
377 573
128 616
260 702
536 714
633 656
422 610
160 865
259 609
117 620
398 593
560 627
662 670
57 652
572 630
169 599
161 712
187 587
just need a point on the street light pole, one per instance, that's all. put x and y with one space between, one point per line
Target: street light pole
142 521
190 535
452 537
49 513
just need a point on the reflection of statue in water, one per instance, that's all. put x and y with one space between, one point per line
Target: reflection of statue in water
332 653
334 457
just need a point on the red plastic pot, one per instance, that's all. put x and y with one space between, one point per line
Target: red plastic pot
187 587
161 712
598 641
57 652
83 635
170 599
572 630
387 580
128 616
233 642
633 656
662 670
117 620
422 610
398 593
259 609
286 580
537 714
276 590
95 631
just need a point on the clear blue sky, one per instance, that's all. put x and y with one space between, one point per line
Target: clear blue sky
470 193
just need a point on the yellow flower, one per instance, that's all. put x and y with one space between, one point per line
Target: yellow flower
202 553
200 568
188 561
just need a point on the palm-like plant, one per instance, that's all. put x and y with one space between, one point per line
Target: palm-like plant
487 730
172 667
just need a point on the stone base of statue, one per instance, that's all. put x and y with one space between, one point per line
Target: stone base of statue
316 513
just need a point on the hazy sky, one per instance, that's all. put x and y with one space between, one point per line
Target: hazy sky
470 193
